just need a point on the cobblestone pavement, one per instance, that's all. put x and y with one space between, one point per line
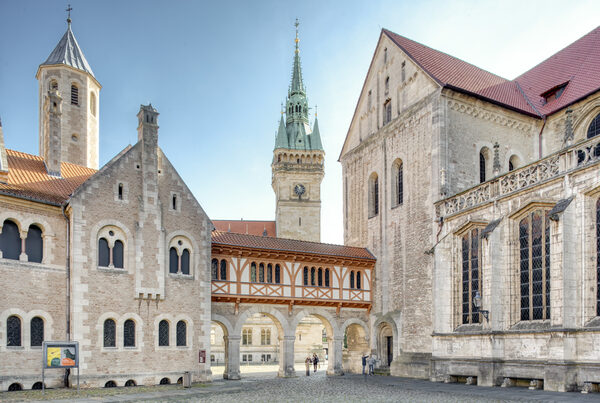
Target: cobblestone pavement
349 388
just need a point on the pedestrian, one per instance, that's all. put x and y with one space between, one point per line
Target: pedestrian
371 363
315 361
364 364
307 363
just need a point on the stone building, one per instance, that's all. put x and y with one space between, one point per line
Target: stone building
110 258
479 197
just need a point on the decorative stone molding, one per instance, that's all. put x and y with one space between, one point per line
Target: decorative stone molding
489 116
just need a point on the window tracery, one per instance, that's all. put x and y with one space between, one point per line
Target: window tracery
180 256
471 276
594 127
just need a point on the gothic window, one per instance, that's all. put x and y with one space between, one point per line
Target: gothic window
269 273
305 275
36 328
398 182
351 279
320 277
481 167
387 112
253 272
373 195
534 248
358 280
471 278
326 277
129 333
277 274
223 274
387 85
109 333
594 128
74 95
265 337
185 262
13 331
247 337
598 257
181 333
261 273
312 276
163 333
93 103
10 240
403 71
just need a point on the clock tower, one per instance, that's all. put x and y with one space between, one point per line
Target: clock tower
298 165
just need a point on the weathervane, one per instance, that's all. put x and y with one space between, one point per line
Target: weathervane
69 8
297 40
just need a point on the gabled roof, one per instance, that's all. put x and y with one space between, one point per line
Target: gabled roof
68 52
246 227
289 245
28 179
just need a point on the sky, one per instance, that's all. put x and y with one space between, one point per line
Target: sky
218 71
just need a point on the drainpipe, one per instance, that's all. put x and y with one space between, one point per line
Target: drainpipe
68 287
540 138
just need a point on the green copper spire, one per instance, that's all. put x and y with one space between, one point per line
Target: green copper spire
315 136
297 84
282 139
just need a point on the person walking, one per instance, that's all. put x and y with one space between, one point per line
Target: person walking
315 361
371 363
364 364
307 363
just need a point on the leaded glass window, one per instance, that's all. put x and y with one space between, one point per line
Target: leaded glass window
594 128
181 333
13 331
109 333
471 278
173 260
534 256
223 270
399 184
598 256
34 244
129 333
10 240
185 262
214 269
163 333
36 331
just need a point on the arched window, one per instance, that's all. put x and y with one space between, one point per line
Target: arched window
261 273
174 260
320 277
358 280
351 279
36 333
277 274
10 240
103 253
181 333
120 191
163 333
265 337
312 276
471 279
74 95
109 333
534 247
269 273
387 85
373 195
513 163
223 273
129 333
13 331
385 55
482 163
174 202
247 337
594 128
253 272
34 245
387 111
305 277
598 257
326 277
185 262
397 183
93 103
214 269
118 254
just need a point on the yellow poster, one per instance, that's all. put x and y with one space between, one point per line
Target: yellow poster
53 356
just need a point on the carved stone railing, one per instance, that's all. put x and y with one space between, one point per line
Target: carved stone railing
569 159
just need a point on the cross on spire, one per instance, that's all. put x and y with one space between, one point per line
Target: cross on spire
68 10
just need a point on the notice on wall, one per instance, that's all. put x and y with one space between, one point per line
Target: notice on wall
202 356
61 354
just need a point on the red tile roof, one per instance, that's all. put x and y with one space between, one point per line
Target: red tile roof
578 63
289 245
246 227
27 178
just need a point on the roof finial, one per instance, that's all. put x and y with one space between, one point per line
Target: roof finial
282 108
315 110
69 8
297 40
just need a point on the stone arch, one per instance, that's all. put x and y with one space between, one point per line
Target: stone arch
328 320
276 316
355 321
585 116
385 347
356 344
515 158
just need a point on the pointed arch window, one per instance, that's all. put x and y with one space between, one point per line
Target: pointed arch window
320 277
109 333
265 337
471 278
482 163
36 328
181 333
247 337
397 183
387 85
594 127
163 333
13 331
358 280
10 240
223 271
269 273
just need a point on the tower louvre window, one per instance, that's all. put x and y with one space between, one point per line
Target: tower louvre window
74 95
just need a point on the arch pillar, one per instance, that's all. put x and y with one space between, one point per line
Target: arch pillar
232 357
335 355
286 356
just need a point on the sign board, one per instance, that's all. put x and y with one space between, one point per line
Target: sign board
202 356
61 354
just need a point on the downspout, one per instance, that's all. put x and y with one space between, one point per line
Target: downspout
68 287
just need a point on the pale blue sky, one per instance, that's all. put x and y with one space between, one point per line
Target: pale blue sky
218 71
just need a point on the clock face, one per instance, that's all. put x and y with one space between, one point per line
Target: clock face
299 189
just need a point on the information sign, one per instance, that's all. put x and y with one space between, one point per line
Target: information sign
202 356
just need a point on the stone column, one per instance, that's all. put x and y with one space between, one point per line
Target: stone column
232 357
335 356
286 357
23 255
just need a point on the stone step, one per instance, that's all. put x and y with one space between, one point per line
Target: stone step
382 371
